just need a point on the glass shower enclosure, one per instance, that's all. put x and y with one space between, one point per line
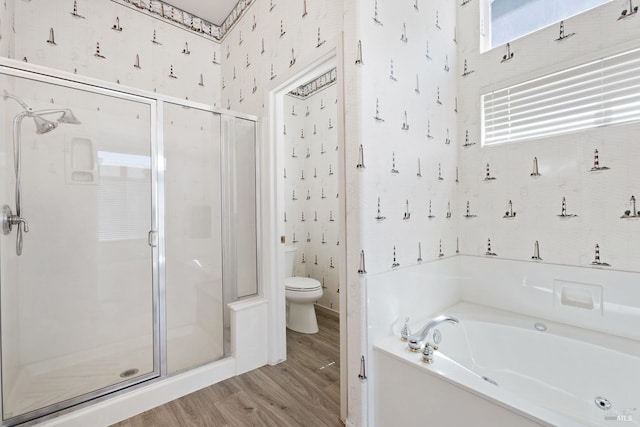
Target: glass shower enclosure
111 269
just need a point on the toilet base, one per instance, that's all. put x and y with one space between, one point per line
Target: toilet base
302 318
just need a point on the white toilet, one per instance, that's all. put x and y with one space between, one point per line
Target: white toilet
300 294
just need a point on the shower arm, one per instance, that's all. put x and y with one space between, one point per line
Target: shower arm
45 112
29 110
18 100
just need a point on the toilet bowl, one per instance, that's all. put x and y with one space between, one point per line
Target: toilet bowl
300 294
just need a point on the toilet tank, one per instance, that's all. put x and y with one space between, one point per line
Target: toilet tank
289 259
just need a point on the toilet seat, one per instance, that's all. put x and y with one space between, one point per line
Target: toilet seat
302 284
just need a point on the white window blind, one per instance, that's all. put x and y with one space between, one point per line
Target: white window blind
124 198
600 93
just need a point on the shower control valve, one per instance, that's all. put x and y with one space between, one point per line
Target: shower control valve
9 220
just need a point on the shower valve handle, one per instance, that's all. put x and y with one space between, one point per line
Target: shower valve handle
9 220
25 225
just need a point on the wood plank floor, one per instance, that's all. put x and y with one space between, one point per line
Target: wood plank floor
303 391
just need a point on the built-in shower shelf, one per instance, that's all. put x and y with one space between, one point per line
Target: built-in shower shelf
81 166
82 177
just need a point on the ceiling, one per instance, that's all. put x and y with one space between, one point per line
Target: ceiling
214 11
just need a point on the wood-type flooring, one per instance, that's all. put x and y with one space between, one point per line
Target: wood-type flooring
303 391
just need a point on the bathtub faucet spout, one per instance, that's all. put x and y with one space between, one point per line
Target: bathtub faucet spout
418 340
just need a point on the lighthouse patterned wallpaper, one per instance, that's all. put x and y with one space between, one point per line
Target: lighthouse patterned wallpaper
406 159
116 41
565 199
428 189
311 188
419 185
272 37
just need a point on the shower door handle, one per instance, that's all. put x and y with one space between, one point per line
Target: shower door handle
152 238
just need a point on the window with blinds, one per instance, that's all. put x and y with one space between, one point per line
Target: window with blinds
600 93
124 198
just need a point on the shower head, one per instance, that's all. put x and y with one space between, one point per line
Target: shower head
69 118
43 125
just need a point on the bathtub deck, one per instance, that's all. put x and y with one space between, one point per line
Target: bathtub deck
304 390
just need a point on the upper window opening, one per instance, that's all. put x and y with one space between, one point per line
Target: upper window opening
600 93
512 19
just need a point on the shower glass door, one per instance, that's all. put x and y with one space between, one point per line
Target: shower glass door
77 306
193 237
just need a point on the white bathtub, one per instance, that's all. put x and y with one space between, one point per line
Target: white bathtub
541 377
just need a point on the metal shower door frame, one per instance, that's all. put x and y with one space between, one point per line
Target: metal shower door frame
156 101
157 250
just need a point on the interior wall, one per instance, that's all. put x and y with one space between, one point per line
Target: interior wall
313 215
597 198
405 34
269 40
6 24
173 65
408 118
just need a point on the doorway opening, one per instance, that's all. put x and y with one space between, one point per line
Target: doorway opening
306 139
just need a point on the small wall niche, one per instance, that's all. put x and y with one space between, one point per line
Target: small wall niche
80 161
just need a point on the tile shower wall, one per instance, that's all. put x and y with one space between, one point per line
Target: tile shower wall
595 200
407 162
113 42
311 188
268 40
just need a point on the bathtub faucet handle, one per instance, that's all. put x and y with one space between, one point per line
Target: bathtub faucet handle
405 332
427 353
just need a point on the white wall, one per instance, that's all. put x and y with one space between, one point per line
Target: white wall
433 106
606 301
598 198
246 66
318 193
76 40
6 22
365 84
